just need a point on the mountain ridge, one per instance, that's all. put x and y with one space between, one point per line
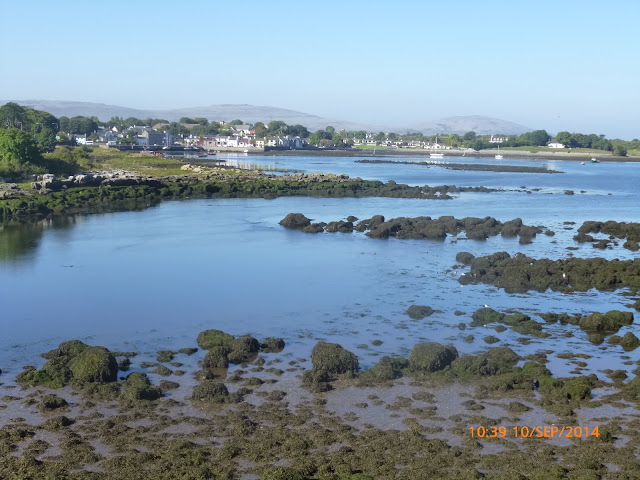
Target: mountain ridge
482 125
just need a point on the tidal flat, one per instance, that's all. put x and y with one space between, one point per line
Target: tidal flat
424 357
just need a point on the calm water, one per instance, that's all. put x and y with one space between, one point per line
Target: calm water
150 280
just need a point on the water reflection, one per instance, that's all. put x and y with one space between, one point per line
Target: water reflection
19 240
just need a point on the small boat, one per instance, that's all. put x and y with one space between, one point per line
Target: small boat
594 160
436 155
581 163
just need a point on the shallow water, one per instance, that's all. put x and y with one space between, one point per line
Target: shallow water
151 280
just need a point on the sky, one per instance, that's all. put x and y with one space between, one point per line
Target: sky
555 65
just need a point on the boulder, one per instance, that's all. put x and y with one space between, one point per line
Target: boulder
210 391
138 387
242 349
333 359
464 258
272 344
418 312
295 221
214 338
484 316
431 356
94 364
216 357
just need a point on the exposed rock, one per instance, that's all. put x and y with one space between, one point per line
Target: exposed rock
51 402
418 312
210 391
464 258
333 359
216 357
295 221
431 356
138 387
94 364
242 349
272 344
214 338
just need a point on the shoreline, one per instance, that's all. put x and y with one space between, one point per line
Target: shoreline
507 154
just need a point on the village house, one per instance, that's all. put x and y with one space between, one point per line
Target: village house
556 145
497 139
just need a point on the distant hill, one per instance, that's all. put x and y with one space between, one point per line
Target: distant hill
474 123
253 114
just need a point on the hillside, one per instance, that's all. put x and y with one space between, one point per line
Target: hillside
253 113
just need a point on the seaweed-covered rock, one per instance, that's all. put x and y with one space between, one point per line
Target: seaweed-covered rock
272 344
609 322
387 368
484 316
491 339
94 364
295 221
315 228
164 356
418 312
163 371
464 258
629 342
57 423
51 402
216 357
138 387
332 358
242 349
316 381
68 349
188 350
214 338
431 356
340 226
210 391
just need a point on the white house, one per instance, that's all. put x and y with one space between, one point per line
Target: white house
555 145
496 139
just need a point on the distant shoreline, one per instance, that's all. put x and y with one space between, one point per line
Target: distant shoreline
402 152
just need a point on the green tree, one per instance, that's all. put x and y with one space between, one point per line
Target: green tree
277 127
469 136
18 151
260 130
563 138
237 122
201 121
187 120
620 151
330 129
298 130
13 115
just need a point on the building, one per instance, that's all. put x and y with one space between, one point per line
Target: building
497 139
556 145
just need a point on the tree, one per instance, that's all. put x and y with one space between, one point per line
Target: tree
469 136
237 122
187 120
379 137
277 127
201 121
330 129
298 130
563 138
17 151
620 151
13 115
260 130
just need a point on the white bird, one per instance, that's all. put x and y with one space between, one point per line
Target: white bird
486 306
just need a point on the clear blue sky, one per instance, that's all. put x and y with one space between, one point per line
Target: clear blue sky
559 65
